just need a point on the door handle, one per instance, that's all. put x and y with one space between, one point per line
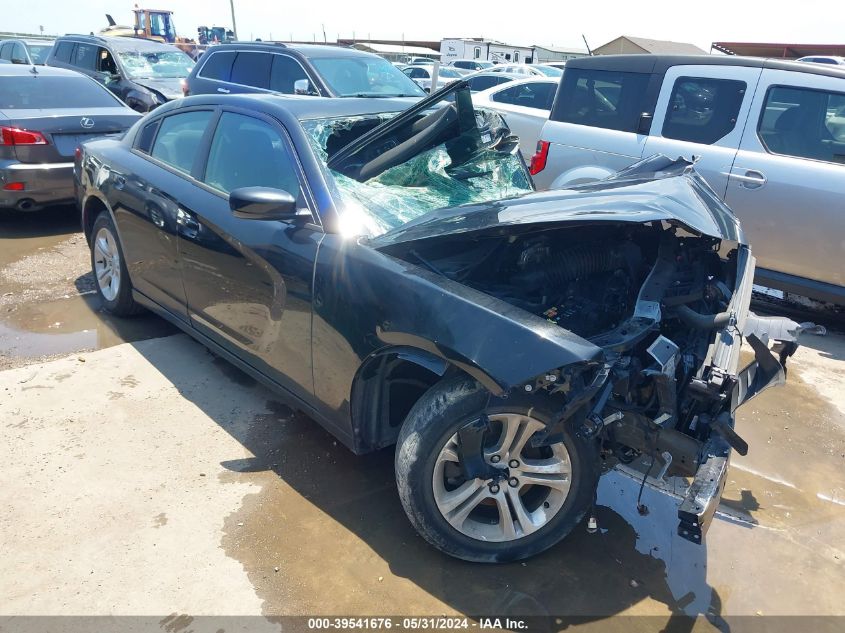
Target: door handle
224 90
187 223
752 179
119 181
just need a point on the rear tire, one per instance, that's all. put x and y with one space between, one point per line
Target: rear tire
553 488
111 277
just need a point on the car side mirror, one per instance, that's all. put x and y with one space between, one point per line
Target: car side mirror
644 124
263 203
303 87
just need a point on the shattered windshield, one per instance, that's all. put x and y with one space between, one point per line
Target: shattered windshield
425 181
156 64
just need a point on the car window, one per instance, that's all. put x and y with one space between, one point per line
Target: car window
39 52
364 76
19 52
85 56
6 52
179 137
248 152
63 50
252 69
284 73
483 83
417 73
105 62
218 66
534 95
601 98
804 123
62 91
703 110
144 140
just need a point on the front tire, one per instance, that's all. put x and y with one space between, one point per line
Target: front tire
540 496
109 267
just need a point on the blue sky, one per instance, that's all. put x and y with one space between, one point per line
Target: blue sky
557 23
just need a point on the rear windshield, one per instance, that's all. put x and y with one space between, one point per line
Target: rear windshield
40 92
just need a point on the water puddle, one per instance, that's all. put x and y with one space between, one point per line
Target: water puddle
63 326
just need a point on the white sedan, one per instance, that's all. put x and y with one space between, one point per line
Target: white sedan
524 104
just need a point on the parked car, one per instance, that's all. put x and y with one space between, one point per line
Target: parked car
533 70
525 106
823 59
486 79
422 75
143 73
44 114
470 64
558 65
25 51
768 135
419 60
315 244
305 69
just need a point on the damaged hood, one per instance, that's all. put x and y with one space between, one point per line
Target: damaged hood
169 88
654 189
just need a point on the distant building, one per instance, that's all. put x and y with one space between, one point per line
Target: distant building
627 45
784 51
479 48
553 54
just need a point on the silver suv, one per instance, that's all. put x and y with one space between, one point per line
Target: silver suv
769 137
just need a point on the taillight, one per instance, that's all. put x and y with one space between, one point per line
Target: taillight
14 186
77 154
538 161
185 90
17 136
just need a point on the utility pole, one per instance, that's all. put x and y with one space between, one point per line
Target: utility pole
234 24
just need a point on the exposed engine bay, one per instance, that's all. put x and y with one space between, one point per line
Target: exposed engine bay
665 305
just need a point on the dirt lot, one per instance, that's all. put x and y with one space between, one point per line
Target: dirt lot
144 476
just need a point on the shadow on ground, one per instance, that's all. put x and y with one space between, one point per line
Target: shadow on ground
327 533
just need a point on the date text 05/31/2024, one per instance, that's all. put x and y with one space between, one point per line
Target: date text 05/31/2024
416 623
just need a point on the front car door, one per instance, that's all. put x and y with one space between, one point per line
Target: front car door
249 282
787 184
701 113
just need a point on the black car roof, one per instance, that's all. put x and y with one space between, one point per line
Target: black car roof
21 70
659 64
306 50
119 43
301 107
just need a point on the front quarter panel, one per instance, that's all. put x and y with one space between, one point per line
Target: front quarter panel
366 301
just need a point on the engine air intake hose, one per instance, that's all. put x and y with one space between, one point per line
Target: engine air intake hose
574 263
702 321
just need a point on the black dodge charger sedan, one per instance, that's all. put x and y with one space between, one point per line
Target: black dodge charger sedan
389 270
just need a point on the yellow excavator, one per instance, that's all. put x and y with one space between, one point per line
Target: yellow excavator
157 24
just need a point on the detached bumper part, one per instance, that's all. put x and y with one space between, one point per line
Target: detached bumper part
702 499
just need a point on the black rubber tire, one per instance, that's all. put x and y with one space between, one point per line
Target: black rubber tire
123 305
432 421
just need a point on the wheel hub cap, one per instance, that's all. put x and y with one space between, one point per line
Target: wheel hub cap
107 264
529 489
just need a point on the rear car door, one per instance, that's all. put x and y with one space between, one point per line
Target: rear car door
146 199
701 112
596 126
249 282
787 184
525 108
84 59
